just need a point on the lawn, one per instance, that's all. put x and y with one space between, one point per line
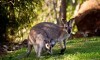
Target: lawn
77 49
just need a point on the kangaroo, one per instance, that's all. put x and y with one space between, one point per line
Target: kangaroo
45 35
57 33
47 31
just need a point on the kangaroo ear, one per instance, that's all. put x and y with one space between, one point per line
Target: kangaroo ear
63 22
71 21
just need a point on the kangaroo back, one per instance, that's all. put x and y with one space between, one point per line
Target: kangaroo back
52 30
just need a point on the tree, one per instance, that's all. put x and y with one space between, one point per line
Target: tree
63 9
16 15
62 12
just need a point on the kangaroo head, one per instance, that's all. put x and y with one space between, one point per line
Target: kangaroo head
68 25
47 44
52 42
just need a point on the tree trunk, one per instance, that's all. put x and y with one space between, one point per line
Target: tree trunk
63 10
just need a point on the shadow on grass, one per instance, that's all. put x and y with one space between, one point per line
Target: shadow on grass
73 47
85 47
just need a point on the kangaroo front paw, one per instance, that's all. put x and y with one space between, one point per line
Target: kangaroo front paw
62 51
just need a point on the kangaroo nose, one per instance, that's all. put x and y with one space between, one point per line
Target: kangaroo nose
69 31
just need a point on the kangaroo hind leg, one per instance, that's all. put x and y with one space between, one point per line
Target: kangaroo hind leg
63 46
39 50
29 49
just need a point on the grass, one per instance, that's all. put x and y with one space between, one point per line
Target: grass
77 49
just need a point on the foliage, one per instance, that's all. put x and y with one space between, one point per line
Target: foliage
18 16
77 49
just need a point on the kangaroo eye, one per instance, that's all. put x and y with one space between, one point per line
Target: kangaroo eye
65 27
47 46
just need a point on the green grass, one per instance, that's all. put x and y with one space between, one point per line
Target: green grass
77 49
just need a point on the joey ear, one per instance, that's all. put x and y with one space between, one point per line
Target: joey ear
46 41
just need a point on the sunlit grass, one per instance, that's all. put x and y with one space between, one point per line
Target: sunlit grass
77 49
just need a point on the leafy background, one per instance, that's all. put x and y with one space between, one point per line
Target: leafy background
18 16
